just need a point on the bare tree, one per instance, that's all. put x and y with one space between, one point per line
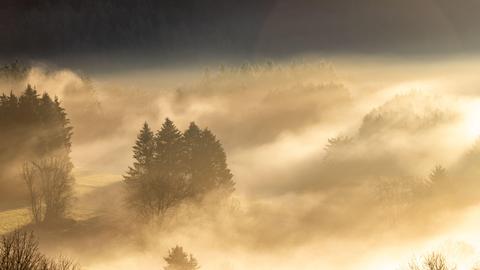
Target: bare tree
29 175
433 261
50 186
19 251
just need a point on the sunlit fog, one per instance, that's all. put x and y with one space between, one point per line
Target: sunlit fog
222 135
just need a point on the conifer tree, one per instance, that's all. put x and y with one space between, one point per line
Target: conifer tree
438 174
169 148
37 132
206 163
142 153
137 175
172 167
195 162
167 177
219 176
28 105
179 260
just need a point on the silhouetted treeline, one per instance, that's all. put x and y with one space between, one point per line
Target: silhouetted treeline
33 27
171 167
33 127
14 71
30 26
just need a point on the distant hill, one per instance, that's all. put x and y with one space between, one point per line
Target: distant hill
45 27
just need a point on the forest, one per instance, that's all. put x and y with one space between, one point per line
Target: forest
34 29
182 193
239 135
170 167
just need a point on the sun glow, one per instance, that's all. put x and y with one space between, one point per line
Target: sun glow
472 120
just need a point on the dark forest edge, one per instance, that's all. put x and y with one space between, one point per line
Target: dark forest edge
170 167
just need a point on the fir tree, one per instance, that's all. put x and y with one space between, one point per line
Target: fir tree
195 162
137 175
28 106
172 167
179 260
219 176
142 153
167 177
169 148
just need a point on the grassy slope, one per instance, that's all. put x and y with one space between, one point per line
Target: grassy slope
12 219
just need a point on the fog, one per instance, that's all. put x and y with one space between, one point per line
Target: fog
303 200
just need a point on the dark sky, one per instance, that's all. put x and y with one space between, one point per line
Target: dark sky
35 28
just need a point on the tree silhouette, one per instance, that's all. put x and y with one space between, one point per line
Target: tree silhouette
169 150
181 166
438 174
434 261
50 187
167 175
36 130
14 71
179 260
206 162
336 147
195 150
218 176
136 176
19 251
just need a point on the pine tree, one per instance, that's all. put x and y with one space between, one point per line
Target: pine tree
219 176
438 174
195 162
142 153
169 148
167 178
137 176
206 163
439 180
28 106
180 167
179 260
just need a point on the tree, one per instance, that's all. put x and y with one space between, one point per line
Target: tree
14 71
50 187
156 182
181 167
434 261
169 148
19 251
36 205
167 175
195 150
179 260
136 177
216 175
336 147
143 150
206 163
438 174
36 132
